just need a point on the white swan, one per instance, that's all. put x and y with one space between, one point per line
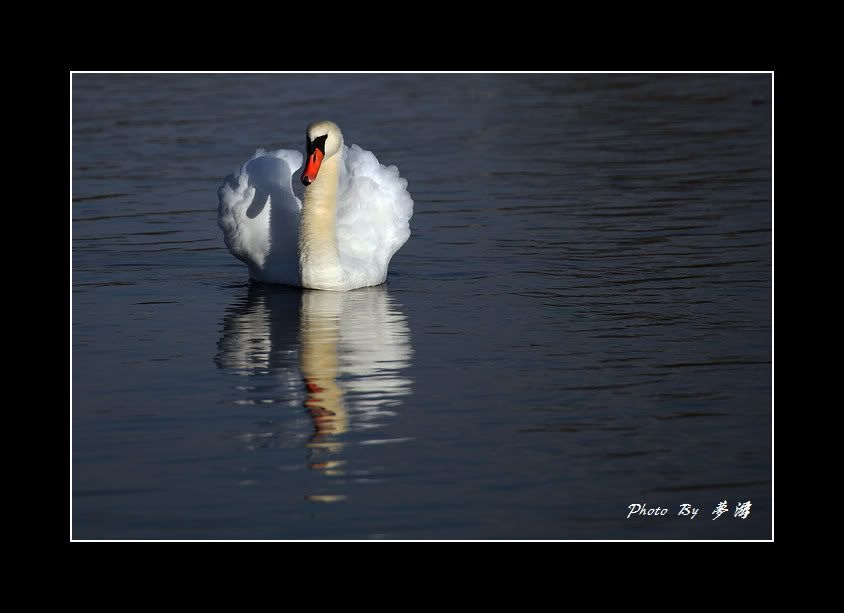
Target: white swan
355 216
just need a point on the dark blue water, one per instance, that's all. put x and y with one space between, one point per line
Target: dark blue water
580 321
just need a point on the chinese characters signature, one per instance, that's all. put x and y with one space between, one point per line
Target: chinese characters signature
742 510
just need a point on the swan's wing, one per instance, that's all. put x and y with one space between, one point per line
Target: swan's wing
373 214
244 212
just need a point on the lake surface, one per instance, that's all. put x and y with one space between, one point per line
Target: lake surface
580 321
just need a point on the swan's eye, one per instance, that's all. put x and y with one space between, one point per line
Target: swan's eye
317 143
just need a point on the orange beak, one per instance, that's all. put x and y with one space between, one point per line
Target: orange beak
312 167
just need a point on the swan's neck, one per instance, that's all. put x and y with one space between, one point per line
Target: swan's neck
319 260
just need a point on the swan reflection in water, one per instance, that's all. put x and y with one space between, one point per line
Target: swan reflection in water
343 356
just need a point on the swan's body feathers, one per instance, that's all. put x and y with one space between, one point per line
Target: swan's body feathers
373 215
259 215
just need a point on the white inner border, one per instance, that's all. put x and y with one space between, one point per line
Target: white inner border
770 72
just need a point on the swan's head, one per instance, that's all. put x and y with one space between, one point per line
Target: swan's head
322 140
